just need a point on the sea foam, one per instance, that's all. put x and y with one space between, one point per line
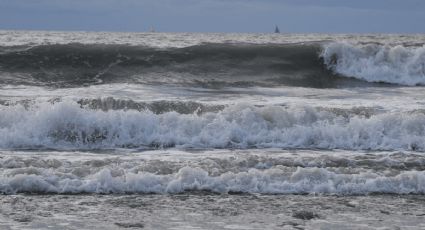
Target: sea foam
377 63
270 181
66 125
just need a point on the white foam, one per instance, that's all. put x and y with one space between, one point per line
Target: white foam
377 63
275 180
66 125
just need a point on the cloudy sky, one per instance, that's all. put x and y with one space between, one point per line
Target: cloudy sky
295 16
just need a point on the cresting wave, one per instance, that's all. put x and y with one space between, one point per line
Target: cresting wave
220 171
66 125
377 63
205 65
320 64
270 181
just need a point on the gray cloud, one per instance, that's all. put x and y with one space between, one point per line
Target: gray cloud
215 15
413 5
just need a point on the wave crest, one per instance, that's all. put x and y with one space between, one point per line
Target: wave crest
215 65
377 63
205 65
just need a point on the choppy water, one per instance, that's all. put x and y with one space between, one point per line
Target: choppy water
213 117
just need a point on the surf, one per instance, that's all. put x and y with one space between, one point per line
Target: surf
71 125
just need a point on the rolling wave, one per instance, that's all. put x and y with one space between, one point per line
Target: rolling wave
269 181
299 172
205 65
320 64
377 63
66 125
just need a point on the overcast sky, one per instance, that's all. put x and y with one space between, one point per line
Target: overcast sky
293 16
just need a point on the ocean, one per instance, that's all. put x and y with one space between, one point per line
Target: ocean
211 131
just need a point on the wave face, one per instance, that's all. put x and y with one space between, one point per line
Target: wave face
319 64
377 63
214 65
66 125
205 65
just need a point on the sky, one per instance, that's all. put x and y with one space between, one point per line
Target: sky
256 16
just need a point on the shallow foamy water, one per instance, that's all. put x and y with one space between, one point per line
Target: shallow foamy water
211 211
214 189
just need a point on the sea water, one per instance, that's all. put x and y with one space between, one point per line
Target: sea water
211 131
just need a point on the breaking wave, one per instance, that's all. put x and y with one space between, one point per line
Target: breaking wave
377 63
66 125
320 64
269 181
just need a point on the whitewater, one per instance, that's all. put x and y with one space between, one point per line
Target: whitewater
296 131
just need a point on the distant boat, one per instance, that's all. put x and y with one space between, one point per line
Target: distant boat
152 30
276 30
